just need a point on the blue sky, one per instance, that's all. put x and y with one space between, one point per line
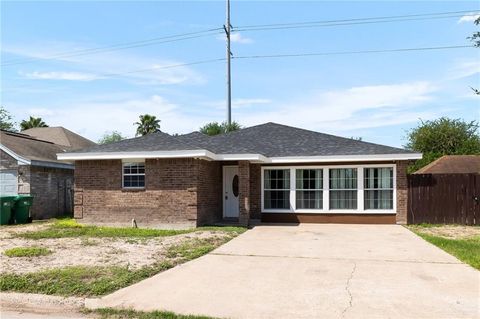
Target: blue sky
375 96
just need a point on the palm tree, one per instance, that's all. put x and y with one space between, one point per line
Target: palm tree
32 122
148 124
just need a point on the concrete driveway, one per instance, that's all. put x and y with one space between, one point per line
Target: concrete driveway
314 271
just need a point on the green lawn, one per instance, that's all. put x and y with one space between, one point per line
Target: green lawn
109 313
466 249
70 228
27 252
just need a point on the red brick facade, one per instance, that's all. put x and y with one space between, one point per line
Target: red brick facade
178 191
402 191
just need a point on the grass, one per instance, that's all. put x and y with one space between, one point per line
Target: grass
27 252
109 313
465 249
79 281
90 281
194 248
70 228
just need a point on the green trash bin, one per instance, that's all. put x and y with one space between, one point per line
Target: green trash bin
21 210
6 207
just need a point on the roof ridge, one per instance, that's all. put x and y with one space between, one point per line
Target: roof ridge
28 137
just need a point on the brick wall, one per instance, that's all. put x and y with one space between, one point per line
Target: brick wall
169 198
51 188
255 191
402 191
210 192
7 162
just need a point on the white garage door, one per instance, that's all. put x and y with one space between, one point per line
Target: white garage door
8 182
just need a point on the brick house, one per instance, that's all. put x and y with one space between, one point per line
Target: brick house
29 165
268 173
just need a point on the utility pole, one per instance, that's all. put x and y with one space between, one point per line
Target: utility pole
227 27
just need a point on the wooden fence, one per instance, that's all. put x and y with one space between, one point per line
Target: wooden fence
444 199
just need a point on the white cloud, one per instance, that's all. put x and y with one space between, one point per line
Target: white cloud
469 18
118 64
70 76
357 107
237 37
92 119
464 69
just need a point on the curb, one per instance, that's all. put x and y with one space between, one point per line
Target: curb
39 303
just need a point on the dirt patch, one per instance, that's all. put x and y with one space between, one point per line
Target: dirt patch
450 231
84 251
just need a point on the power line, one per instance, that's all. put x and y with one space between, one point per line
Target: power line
120 46
291 55
418 16
161 67
304 26
281 56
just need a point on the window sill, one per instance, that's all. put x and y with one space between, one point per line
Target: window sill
133 190
331 212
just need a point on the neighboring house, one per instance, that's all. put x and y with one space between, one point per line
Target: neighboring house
269 172
453 164
29 165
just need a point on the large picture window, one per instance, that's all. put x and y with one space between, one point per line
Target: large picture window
276 185
378 185
133 175
343 188
309 188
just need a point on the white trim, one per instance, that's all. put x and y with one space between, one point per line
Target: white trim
20 160
326 191
345 158
136 155
136 161
256 158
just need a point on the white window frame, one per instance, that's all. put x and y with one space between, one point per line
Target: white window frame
283 189
133 161
315 189
326 190
380 189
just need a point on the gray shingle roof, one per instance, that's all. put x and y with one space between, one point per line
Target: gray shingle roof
270 139
152 142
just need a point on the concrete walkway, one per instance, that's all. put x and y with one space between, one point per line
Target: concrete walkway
314 271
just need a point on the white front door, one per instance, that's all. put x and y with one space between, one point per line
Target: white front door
230 191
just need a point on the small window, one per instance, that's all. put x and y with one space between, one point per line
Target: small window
276 189
378 184
343 188
133 175
309 188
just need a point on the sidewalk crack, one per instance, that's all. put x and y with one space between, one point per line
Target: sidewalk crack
347 289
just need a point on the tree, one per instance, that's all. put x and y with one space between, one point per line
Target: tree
32 122
110 137
475 38
148 124
214 128
6 122
443 136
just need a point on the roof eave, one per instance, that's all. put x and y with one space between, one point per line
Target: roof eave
347 158
204 154
20 159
